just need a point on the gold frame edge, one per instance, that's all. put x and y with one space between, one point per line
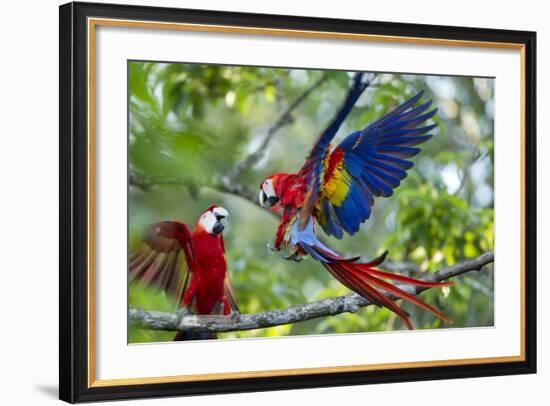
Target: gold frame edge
93 22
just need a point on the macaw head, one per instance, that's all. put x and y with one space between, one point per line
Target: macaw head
212 220
271 189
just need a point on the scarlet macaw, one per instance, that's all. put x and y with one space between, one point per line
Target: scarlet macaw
336 190
190 266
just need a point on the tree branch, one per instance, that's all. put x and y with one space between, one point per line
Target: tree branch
156 320
284 119
228 183
225 185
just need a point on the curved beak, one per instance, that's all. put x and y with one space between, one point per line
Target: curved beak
219 225
218 228
262 198
267 201
272 201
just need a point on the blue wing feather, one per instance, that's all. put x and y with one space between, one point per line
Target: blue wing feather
390 160
332 223
398 151
321 148
376 160
390 170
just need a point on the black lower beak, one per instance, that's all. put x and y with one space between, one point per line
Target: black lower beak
218 228
263 198
272 200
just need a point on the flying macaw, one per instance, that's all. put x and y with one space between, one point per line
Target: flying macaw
336 189
189 266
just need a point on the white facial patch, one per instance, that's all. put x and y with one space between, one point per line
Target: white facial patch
209 218
268 188
208 221
221 212
262 198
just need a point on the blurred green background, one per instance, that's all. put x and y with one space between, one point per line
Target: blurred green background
190 124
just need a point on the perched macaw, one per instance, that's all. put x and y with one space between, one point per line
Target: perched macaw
336 189
190 266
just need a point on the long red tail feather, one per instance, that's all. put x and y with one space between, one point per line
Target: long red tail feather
405 279
358 285
383 300
406 296
378 260
366 281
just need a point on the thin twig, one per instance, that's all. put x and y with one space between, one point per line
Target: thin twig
284 119
156 320
224 185
228 183
475 284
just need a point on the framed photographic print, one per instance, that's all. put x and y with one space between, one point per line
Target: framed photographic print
255 202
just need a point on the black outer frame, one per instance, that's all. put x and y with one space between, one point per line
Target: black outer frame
73 298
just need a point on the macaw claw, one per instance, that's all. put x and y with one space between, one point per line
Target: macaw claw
294 257
184 311
235 316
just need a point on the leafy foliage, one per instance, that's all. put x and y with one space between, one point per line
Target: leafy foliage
193 123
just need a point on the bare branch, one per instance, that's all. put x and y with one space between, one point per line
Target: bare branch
156 320
228 183
284 119
224 185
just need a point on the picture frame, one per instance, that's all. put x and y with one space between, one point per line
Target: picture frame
78 192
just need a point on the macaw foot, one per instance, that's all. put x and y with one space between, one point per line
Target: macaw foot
235 316
272 248
182 312
296 257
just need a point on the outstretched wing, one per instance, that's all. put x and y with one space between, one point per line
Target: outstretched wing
320 149
164 258
368 164
311 171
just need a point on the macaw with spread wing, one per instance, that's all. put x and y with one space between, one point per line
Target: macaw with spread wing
189 266
336 188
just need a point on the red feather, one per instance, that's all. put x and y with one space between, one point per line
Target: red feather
352 279
190 266
334 159
362 279
206 288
